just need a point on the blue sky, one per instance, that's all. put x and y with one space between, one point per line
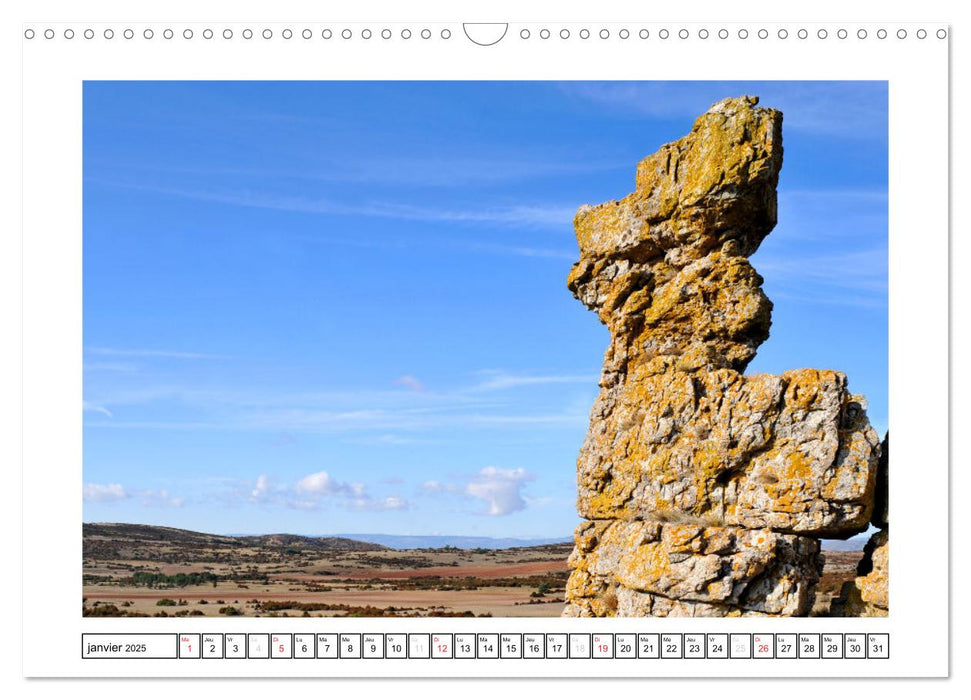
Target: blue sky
341 307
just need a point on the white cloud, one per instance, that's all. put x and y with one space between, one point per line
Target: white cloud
315 490
368 503
160 499
439 487
394 503
262 490
500 488
319 483
102 493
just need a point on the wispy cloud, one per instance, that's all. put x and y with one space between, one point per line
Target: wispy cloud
529 215
857 301
126 367
394 440
357 422
411 382
826 197
523 215
841 218
849 227
496 380
383 420
152 498
853 278
88 406
864 269
142 352
440 170
390 415
842 109
526 251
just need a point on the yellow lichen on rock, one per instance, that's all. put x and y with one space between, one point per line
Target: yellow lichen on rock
704 489
790 452
753 570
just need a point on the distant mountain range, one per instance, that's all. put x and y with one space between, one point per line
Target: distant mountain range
459 541
101 539
122 535
101 534
853 544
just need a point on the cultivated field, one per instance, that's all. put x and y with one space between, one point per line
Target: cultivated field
142 570
138 570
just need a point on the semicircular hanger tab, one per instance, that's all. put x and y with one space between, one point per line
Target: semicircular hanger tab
485 33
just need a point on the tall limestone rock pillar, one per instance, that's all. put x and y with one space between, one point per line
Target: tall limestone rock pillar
704 491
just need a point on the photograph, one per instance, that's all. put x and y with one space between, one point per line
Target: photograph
485 349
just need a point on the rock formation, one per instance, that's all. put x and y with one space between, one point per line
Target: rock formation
704 490
715 571
868 595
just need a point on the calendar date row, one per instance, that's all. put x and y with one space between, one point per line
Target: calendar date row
486 646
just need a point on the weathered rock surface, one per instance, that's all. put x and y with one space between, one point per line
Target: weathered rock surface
757 571
621 602
794 452
666 267
868 594
751 467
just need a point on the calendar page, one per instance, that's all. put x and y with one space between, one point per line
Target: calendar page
378 347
